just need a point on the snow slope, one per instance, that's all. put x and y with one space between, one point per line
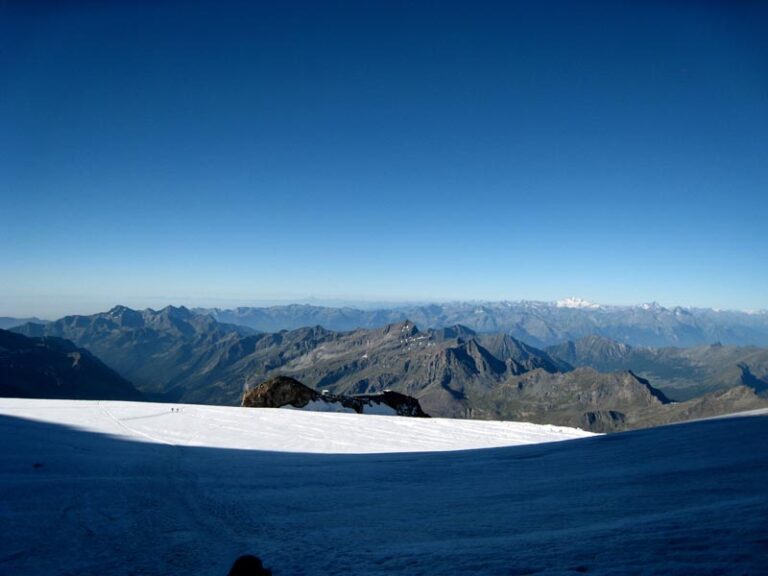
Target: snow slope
282 430
123 488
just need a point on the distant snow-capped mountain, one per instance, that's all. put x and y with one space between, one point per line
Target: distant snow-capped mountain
573 302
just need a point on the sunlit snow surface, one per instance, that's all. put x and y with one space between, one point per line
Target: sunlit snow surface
129 488
282 430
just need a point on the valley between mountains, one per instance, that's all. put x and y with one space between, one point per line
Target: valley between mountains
594 383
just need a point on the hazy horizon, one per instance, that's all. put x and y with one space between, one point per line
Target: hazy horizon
382 152
228 304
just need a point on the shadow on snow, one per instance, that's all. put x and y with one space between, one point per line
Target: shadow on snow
687 498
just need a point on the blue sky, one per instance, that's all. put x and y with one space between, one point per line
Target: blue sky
199 153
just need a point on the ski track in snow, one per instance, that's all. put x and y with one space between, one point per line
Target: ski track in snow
132 488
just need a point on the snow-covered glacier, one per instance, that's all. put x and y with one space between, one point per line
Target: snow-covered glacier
140 488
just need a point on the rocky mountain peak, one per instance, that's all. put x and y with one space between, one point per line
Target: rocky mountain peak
176 312
603 344
403 329
117 310
124 316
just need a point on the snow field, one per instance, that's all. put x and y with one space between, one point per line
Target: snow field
94 488
282 430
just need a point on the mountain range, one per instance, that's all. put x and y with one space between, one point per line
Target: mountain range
538 323
153 349
55 368
177 355
682 373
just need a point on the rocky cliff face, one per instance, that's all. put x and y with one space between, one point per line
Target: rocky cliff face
283 391
582 398
603 421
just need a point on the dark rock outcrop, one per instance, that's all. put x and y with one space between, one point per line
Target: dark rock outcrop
283 391
278 392
604 421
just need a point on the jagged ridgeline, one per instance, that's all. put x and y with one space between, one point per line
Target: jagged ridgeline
175 354
537 323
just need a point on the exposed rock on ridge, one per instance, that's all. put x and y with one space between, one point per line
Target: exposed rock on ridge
283 391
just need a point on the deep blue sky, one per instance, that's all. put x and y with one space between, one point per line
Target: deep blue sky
227 153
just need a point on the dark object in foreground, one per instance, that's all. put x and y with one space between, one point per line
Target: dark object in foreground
248 565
